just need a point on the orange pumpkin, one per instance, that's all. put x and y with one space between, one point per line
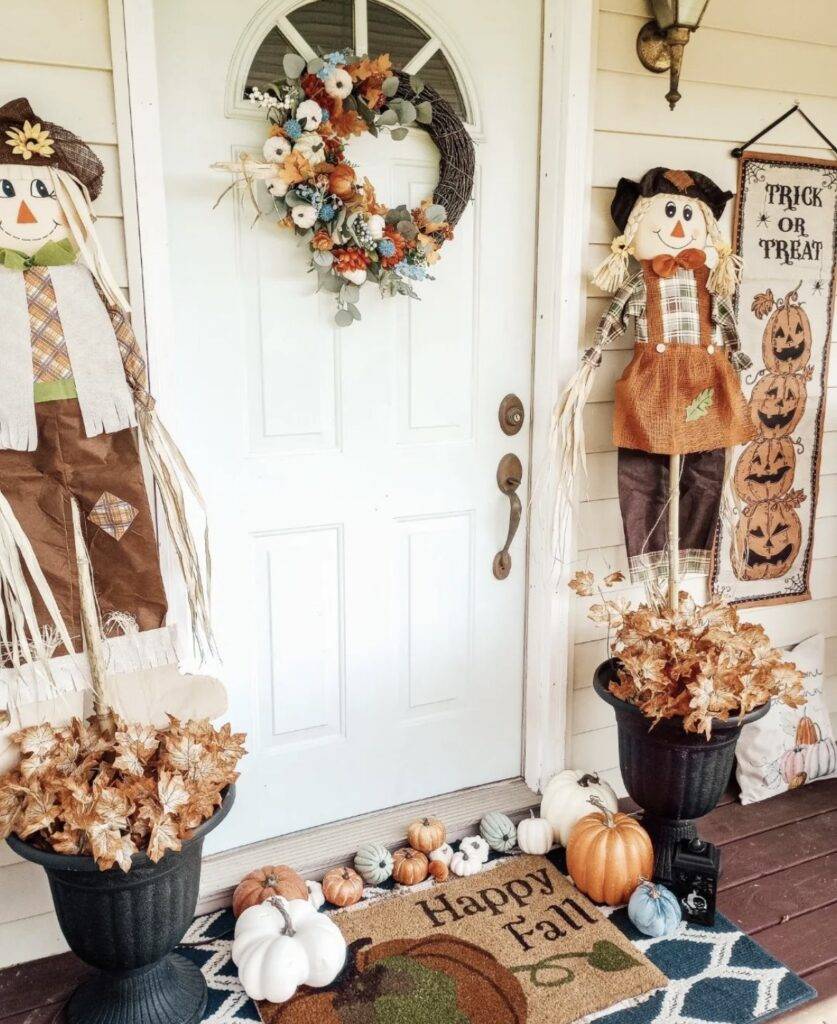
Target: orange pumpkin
439 870
608 854
271 880
342 887
765 469
426 834
807 731
777 404
409 866
341 181
766 542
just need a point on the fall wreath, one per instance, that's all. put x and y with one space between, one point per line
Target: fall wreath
354 239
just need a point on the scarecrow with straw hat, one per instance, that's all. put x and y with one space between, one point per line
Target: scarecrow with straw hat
83 602
678 404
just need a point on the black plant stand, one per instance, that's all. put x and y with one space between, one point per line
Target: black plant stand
128 926
674 776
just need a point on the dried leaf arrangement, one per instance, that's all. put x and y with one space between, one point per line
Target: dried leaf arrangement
696 662
314 111
108 789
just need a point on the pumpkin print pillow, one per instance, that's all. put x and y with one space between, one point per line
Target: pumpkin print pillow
789 747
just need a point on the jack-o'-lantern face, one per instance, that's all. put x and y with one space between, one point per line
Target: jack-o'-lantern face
777 404
786 342
765 470
766 542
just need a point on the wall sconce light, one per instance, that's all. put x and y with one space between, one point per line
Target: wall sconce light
661 41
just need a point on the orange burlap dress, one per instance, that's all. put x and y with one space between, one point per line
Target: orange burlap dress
658 397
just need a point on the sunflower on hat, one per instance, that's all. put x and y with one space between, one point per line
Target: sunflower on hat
29 139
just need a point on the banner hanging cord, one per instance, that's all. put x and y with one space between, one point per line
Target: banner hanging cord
795 109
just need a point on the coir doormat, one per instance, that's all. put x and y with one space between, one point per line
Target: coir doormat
517 943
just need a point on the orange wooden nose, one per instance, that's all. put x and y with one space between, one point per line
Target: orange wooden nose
678 231
25 215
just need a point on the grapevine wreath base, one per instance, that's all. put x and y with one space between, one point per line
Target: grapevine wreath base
353 239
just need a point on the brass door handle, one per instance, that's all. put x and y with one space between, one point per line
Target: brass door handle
509 477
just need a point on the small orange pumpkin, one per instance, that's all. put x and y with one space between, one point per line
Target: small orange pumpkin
342 887
409 866
807 731
341 181
439 870
426 834
608 854
271 880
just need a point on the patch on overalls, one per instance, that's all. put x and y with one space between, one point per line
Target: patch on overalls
113 515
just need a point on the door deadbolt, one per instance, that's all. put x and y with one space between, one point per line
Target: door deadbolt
511 415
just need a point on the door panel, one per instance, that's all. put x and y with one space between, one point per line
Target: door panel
350 474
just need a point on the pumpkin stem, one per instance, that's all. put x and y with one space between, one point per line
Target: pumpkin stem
279 904
609 819
590 778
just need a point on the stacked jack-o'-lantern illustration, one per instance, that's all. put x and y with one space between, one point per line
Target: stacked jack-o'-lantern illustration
769 533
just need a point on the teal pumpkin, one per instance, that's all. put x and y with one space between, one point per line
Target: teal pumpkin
498 831
654 910
373 862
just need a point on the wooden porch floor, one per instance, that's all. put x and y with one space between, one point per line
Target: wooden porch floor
779 885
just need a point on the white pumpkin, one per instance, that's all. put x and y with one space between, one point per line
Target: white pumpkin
534 835
304 215
310 115
356 276
477 846
282 944
310 147
338 84
276 149
442 853
465 862
566 798
315 894
376 225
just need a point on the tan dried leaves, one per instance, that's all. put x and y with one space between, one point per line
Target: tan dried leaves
700 662
110 789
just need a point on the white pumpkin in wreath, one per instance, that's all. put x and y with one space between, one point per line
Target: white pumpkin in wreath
282 944
566 799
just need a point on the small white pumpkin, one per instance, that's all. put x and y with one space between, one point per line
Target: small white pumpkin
465 862
315 894
477 846
310 147
338 84
373 862
304 215
376 225
277 187
534 835
310 115
498 830
275 149
442 853
356 276
282 944
566 799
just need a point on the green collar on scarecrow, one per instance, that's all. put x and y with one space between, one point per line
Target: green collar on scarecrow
52 254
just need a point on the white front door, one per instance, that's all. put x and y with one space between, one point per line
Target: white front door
370 653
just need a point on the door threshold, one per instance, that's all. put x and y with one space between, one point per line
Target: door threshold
313 851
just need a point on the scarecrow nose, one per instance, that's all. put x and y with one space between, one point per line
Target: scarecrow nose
25 215
678 231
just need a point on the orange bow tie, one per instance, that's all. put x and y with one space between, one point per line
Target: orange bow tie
690 259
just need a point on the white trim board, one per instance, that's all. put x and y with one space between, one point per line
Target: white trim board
313 851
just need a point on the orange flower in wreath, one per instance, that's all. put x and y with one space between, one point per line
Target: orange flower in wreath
341 181
400 244
322 241
349 257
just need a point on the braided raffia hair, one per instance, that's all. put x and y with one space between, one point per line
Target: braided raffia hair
611 272
725 275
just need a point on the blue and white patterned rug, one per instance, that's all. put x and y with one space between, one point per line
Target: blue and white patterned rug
717 976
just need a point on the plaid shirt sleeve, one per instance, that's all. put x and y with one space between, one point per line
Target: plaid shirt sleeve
132 359
613 324
724 317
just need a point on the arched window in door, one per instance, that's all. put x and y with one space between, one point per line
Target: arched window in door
369 26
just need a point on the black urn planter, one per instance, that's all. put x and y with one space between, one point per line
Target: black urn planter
674 776
128 925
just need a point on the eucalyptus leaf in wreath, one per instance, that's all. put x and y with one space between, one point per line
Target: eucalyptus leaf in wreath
399 133
416 84
424 112
435 212
350 293
388 117
406 112
408 229
390 86
354 311
293 65
323 259
315 64
343 318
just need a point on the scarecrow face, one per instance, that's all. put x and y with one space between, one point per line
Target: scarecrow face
765 470
777 404
786 343
670 224
766 541
30 215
